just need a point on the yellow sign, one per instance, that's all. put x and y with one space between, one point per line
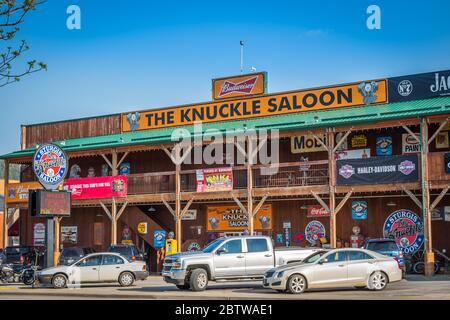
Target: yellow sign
307 143
359 140
231 218
350 95
18 192
142 228
171 246
238 86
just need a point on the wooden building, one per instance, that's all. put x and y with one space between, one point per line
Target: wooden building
317 130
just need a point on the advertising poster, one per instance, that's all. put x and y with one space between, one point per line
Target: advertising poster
389 169
238 86
231 218
190 215
314 211
406 227
441 140
384 146
359 141
410 144
39 234
97 187
18 192
159 238
307 143
124 169
215 179
69 234
352 154
359 210
314 231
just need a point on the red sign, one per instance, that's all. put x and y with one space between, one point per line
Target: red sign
317 211
216 179
241 87
97 187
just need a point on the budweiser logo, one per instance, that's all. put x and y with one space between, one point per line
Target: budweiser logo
245 86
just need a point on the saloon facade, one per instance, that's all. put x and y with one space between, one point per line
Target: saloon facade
371 154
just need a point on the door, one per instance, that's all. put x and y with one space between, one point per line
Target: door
332 272
87 270
259 257
229 260
360 265
111 268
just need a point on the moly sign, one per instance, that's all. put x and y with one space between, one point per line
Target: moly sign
386 169
50 166
406 228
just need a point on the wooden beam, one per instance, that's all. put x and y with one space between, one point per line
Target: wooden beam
121 159
342 139
121 210
169 207
240 149
413 197
322 203
108 213
411 133
107 160
319 140
259 205
186 207
239 203
343 201
443 124
439 198
186 154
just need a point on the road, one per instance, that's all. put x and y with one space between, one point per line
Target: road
154 288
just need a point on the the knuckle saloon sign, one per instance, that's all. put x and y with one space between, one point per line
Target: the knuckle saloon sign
406 228
232 218
348 95
50 166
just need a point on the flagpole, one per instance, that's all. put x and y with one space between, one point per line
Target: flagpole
242 56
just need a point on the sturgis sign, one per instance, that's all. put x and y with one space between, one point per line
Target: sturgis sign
349 95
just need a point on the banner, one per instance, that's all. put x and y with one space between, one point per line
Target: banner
238 86
18 192
97 187
307 143
410 144
352 154
315 211
316 99
215 179
419 86
231 218
387 169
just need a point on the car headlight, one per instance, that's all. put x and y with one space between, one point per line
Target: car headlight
177 264
279 274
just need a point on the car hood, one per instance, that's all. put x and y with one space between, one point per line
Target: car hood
292 266
193 254
54 270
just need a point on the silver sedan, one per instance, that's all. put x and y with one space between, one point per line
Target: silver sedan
335 268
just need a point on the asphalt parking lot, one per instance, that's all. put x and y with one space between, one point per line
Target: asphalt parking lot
414 287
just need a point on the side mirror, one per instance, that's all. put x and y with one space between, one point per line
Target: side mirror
221 250
321 261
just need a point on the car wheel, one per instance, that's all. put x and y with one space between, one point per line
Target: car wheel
198 280
59 281
377 281
126 279
296 284
183 286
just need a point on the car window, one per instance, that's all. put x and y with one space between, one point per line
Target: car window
111 259
257 245
336 257
382 246
90 262
233 246
358 255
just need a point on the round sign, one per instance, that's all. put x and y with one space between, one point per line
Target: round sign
314 231
406 228
194 246
50 166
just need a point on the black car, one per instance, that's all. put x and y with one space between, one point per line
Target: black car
72 254
131 252
20 255
2 257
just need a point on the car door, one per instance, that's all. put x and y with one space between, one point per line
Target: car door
259 257
229 259
331 270
360 265
87 270
111 267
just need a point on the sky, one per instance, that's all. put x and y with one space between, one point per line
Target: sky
143 54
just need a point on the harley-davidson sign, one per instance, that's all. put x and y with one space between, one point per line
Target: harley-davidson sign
238 86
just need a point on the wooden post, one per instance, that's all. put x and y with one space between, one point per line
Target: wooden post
428 247
332 203
56 251
113 222
178 231
114 163
5 212
250 186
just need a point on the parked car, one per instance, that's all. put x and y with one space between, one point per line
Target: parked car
131 252
72 254
2 257
230 258
20 255
387 247
96 267
335 268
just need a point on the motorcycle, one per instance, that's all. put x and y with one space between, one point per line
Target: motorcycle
12 273
30 273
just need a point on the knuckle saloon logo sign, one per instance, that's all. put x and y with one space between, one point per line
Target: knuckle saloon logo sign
406 228
348 95
232 218
50 166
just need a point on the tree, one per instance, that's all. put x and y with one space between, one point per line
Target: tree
12 14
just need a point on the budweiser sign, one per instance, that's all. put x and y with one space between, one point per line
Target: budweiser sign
245 86
315 211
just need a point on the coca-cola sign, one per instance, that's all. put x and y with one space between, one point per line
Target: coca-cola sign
315 211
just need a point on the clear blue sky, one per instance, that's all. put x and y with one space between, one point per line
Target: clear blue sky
144 54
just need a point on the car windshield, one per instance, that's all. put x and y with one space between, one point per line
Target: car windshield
314 257
213 245
382 246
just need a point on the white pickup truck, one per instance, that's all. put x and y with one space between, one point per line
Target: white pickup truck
230 258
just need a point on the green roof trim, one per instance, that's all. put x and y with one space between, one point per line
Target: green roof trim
297 121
